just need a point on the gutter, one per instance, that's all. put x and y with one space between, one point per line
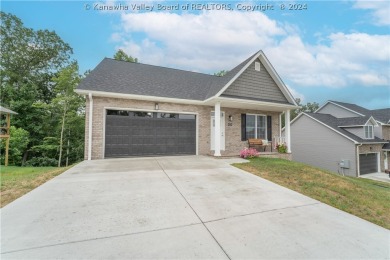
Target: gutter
90 126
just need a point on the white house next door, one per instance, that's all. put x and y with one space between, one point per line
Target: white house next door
212 132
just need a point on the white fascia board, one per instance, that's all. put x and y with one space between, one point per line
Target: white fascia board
346 126
253 102
334 130
139 97
235 77
372 121
350 110
373 143
275 76
296 118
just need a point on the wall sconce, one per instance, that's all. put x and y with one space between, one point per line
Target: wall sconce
230 118
156 106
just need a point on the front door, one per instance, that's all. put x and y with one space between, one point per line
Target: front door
212 134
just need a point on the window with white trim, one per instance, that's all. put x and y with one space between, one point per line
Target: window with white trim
256 126
369 132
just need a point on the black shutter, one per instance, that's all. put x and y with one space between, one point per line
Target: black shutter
243 127
269 128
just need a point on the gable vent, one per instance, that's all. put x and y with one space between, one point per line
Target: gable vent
257 66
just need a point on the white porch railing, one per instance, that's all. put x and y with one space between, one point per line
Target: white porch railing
279 140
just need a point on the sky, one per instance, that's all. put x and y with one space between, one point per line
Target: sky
322 50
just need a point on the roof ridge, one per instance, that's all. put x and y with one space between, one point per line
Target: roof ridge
151 65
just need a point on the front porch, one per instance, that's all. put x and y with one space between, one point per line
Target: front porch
236 120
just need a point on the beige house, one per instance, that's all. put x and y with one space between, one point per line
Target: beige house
135 109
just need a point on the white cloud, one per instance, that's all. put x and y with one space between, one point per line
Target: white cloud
214 41
380 10
296 94
347 59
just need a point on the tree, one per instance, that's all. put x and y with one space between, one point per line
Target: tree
309 107
121 55
221 73
18 143
29 60
67 104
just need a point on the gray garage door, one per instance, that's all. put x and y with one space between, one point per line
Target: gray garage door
134 133
368 163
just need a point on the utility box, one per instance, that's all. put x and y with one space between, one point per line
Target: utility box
345 164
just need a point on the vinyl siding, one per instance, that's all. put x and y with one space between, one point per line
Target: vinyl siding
336 111
315 144
256 84
358 131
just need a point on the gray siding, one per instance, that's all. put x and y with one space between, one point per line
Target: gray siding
256 84
314 144
336 111
358 131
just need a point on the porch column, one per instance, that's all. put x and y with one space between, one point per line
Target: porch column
287 130
217 129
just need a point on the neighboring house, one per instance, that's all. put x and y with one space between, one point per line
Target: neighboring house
344 138
135 109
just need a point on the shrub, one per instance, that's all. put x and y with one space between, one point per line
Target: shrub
282 148
248 153
42 161
17 145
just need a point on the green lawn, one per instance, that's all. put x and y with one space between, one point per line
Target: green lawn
364 198
17 181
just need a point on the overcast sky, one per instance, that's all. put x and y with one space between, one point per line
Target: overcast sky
337 50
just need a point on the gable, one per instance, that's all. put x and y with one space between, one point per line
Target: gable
255 84
336 111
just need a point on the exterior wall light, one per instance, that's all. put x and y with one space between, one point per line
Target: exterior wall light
230 118
156 106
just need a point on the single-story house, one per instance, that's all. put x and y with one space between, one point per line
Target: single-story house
135 109
344 138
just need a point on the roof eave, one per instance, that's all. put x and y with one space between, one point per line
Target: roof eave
137 97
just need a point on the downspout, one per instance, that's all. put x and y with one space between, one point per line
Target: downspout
90 126
358 159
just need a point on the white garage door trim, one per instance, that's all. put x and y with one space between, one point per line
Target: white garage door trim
149 110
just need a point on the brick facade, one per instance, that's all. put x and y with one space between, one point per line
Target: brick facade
233 143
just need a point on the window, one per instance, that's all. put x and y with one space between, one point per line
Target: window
117 113
369 132
167 115
186 116
142 114
256 127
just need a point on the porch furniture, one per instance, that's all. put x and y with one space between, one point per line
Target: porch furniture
259 145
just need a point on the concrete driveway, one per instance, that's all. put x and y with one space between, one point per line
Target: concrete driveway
178 207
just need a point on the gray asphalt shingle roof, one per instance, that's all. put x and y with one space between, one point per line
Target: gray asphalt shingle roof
382 115
334 123
141 79
353 107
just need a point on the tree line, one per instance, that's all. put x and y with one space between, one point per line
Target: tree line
38 79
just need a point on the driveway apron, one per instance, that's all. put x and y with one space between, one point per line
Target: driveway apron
190 207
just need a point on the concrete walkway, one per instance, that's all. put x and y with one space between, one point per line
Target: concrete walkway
178 207
378 176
